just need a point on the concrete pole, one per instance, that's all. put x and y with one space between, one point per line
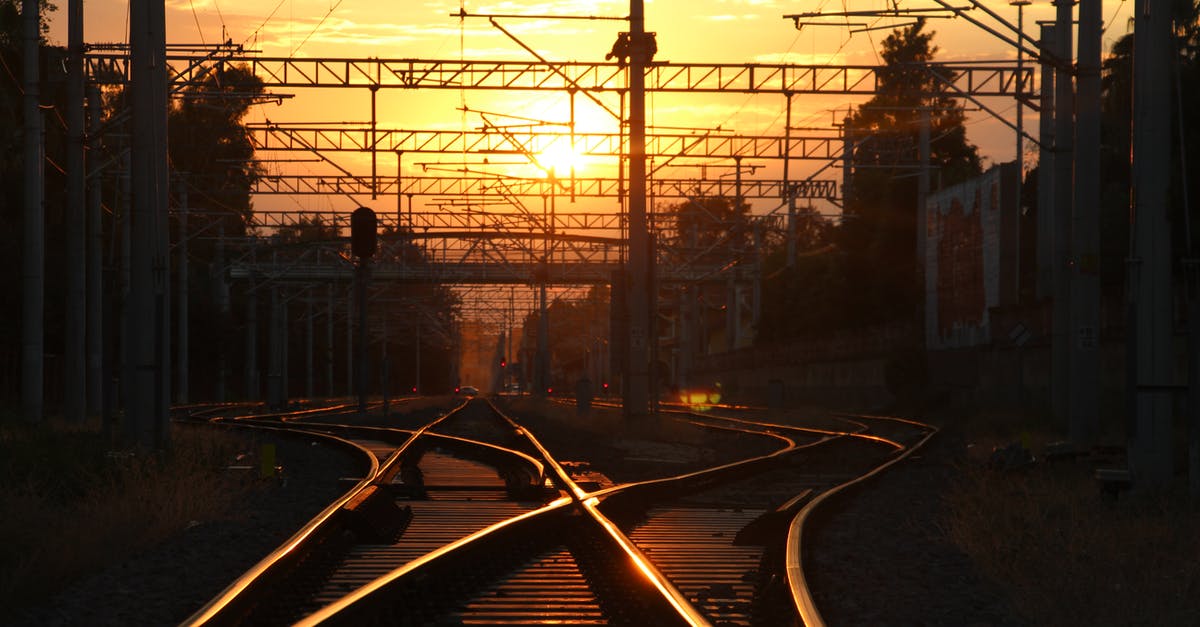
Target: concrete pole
33 267
791 227
329 342
924 150
285 374
183 355
847 162
1150 270
417 353
756 294
221 287
542 367
361 298
251 353
95 270
1045 214
125 213
309 388
350 342
683 372
147 377
1064 134
1020 148
787 186
75 313
384 367
274 352
1193 379
1085 233
731 314
637 392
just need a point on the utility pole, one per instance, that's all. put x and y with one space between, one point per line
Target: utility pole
147 381
542 361
33 267
1085 232
183 350
250 366
923 148
1020 151
1150 263
309 391
75 313
221 287
1064 133
637 391
329 341
95 269
275 340
1045 178
362 272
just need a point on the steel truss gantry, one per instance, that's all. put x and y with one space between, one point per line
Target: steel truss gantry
466 184
710 145
470 258
982 79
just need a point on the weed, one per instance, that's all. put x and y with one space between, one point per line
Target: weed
1069 556
68 505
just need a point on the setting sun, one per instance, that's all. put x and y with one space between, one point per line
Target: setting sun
561 158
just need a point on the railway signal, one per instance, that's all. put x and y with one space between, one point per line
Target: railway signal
363 238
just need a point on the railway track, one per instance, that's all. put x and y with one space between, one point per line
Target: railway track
468 519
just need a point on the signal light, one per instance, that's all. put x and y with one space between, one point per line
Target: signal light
503 363
456 389
362 233
414 389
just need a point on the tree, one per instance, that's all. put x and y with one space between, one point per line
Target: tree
801 296
879 231
708 228
208 141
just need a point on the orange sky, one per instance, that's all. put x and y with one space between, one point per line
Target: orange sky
731 31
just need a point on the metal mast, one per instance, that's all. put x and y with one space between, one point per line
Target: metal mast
1085 232
33 290
147 389
1150 263
637 388
74 366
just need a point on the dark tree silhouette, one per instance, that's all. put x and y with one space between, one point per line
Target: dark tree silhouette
879 231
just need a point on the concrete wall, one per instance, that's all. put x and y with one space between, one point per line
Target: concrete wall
847 370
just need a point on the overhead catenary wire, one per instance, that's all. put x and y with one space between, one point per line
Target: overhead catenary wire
317 27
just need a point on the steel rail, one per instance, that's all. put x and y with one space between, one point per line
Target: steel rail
335 612
802 598
233 597
539 468
682 605
216 611
576 499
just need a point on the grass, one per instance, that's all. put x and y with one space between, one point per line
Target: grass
68 506
1068 555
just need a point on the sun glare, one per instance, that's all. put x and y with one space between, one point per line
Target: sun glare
561 158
